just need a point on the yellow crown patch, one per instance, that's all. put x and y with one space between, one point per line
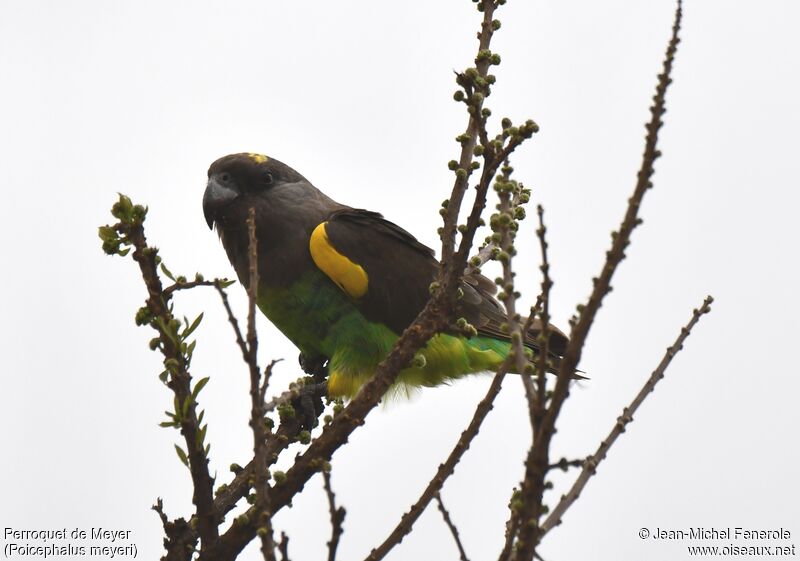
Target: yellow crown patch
257 158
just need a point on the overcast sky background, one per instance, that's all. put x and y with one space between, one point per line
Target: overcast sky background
140 97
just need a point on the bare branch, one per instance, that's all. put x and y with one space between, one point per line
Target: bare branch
184 285
228 495
283 398
542 366
337 515
591 463
233 321
283 547
176 360
264 521
564 464
512 526
451 526
337 432
538 457
180 541
505 224
469 139
445 470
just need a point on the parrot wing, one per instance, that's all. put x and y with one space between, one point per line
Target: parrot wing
387 273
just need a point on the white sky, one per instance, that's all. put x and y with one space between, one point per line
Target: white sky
139 97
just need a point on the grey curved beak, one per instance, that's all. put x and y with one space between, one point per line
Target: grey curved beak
215 197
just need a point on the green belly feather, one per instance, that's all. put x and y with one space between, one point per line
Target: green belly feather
319 318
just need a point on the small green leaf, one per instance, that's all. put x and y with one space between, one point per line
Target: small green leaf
107 233
198 387
176 403
182 455
200 437
122 208
169 330
186 403
189 330
167 272
139 213
143 316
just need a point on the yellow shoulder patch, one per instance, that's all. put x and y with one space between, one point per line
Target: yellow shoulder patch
349 276
257 158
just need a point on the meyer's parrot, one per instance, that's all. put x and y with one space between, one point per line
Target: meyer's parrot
342 283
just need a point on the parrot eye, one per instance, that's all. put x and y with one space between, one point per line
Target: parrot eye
267 178
225 177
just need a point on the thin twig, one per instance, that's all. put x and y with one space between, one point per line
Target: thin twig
540 401
444 471
265 383
159 508
180 541
336 433
507 213
264 522
512 526
233 321
283 547
493 158
536 397
229 494
506 227
337 515
490 248
470 137
283 398
538 458
447 468
591 463
451 526
183 285
564 464
179 382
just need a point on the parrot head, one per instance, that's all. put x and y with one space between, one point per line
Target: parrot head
287 209
239 181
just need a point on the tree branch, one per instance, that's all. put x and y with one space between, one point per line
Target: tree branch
542 364
470 80
445 470
337 515
177 355
257 422
452 527
591 463
536 464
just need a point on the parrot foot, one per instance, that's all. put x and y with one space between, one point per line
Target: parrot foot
316 366
308 405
